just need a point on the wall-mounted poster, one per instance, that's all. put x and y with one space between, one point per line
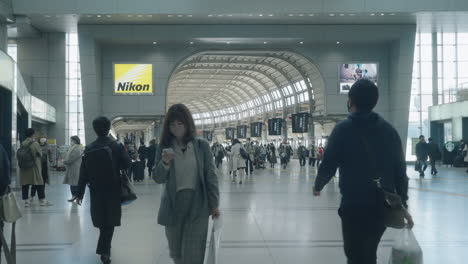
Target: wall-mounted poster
133 79
230 132
242 131
208 135
300 123
256 129
275 126
352 72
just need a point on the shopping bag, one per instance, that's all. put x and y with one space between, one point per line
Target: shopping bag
406 249
215 242
9 209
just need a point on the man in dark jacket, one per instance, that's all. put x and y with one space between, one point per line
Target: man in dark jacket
362 202
5 177
151 155
302 154
434 155
102 162
421 155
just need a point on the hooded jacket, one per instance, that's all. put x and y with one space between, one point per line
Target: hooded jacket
346 150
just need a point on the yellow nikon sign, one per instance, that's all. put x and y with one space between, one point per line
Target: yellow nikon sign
133 78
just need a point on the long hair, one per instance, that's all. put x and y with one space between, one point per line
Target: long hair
181 113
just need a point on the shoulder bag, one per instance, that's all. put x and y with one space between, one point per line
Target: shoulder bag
394 211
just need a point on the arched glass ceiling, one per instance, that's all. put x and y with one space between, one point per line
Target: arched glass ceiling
224 86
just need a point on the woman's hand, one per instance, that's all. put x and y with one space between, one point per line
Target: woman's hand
215 214
409 220
167 157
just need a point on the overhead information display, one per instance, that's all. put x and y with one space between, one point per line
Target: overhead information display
242 131
230 132
275 125
300 123
133 79
256 129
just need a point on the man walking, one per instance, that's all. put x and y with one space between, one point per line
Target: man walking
434 155
350 148
421 155
249 148
302 153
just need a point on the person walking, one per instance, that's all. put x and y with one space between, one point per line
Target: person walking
434 155
320 152
250 149
185 165
302 154
421 155
238 161
142 153
219 153
350 148
151 154
312 155
465 150
45 159
32 175
103 160
272 155
73 163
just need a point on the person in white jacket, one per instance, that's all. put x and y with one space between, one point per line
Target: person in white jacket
237 161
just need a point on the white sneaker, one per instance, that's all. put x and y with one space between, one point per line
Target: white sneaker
27 203
45 203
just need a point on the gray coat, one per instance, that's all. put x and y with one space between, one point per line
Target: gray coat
206 191
73 163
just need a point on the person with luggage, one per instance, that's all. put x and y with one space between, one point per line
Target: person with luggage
142 153
239 160
103 161
249 147
312 155
434 155
184 164
73 163
421 155
151 154
352 147
29 157
302 153
45 159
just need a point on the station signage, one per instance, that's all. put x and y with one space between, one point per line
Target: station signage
300 123
256 129
242 131
230 132
275 125
133 79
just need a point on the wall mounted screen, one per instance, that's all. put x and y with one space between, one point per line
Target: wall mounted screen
230 133
131 79
275 125
300 123
256 129
352 72
242 131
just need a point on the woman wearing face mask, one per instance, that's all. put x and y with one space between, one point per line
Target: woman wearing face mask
73 163
185 165
45 158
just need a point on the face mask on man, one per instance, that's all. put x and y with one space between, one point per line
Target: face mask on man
42 141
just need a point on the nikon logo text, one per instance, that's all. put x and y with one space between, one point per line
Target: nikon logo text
130 87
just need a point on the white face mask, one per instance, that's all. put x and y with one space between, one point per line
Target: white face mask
42 140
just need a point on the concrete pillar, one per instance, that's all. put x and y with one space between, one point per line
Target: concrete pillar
3 38
457 128
311 133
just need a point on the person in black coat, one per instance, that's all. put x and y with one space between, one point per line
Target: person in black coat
151 155
434 154
100 169
422 155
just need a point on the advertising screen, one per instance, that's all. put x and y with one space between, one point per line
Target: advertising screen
131 79
350 73
230 133
275 126
242 131
256 129
300 123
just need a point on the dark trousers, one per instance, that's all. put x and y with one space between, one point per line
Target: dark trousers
302 161
218 161
248 165
150 169
423 166
433 167
39 188
74 190
362 231
312 162
105 240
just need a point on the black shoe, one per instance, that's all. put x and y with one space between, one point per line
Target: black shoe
105 259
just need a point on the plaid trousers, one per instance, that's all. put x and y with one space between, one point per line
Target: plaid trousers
187 238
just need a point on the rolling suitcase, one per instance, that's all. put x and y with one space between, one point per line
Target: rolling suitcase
139 171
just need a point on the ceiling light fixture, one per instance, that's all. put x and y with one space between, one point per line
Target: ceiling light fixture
220 15
260 15
382 14
154 42
228 42
352 14
265 42
98 15
169 15
149 15
290 15
270 15
229 15
130 15
338 42
210 15
179 15
191 42
372 14
301 42
189 15
332 15
311 14
49 16
341 15
301 15
140 15
392 14
109 16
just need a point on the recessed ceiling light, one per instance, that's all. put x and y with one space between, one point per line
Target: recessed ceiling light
108 16
189 15
352 14
290 15
228 42
229 15
250 15
270 15
332 15
149 15
220 15
49 16
169 15
382 14
301 42
191 42
341 14
338 42
260 15
154 42
265 42
210 15
301 15
372 14
130 15
140 15
311 14
98 15
392 14
179 15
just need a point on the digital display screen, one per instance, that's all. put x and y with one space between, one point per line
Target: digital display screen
300 123
350 73
242 131
256 129
275 126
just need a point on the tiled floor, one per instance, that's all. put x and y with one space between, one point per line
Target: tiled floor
272 218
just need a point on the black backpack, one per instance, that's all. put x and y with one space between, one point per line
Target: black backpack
25 156
244 154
